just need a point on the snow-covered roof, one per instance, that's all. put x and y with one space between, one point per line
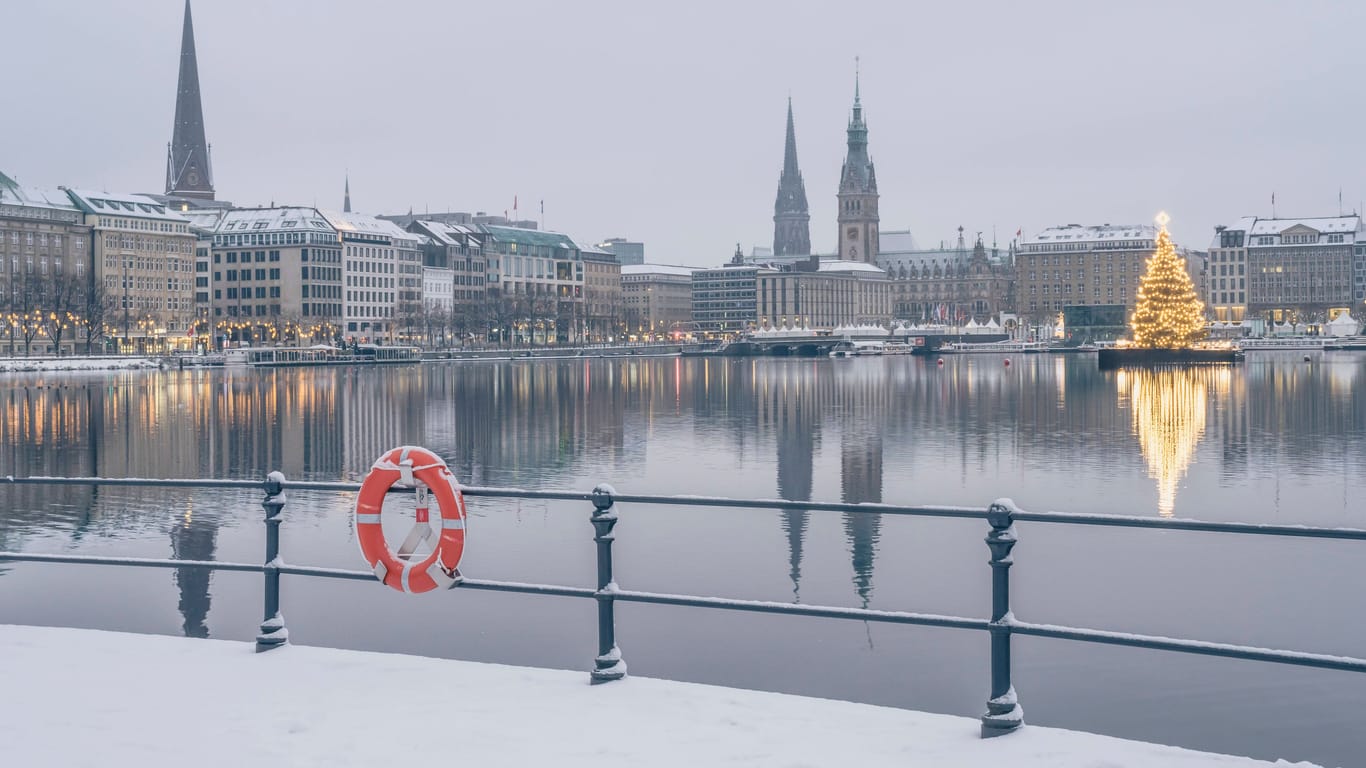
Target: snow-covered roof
1333 224
362 224
14 193
656 269
123 204
895 241
283 219
205 220
530 237
833 265
446 234
1107 234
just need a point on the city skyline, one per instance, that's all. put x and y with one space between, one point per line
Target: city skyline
1207 134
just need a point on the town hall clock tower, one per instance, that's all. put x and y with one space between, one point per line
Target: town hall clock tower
858 217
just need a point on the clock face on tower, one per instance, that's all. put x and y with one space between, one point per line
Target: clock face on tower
852 233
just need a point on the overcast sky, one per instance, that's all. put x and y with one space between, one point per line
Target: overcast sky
665 123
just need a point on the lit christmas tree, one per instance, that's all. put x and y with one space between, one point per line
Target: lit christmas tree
1168 315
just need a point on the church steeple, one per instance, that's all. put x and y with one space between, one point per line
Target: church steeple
858 216
346 204
791 218
188 172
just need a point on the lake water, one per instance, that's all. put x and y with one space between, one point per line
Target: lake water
1276 440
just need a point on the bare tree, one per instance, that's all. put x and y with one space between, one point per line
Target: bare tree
64 300
26 307
96 306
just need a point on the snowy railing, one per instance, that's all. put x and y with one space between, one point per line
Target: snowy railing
1003 713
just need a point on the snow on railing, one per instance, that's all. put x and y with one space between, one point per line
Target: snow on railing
1003 713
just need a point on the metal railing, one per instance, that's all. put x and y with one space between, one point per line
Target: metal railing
1003 714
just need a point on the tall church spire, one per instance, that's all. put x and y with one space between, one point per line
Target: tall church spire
858 216
346 205
791 219
187 164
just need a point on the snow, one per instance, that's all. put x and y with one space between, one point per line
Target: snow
13 364
89 698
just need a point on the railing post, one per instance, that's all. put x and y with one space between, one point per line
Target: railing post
273 633
608 666
1004 713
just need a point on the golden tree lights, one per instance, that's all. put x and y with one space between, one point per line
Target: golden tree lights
1167 409
1168 314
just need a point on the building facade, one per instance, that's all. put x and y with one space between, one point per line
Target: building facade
858 198
144 261
791 218
725 300
276 277
626 251
46 302
602 296
1287 270
535 286
370 272
657 301
836 293
460 249
949 285
1077 265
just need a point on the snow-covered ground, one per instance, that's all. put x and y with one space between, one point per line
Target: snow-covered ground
10 364
72 697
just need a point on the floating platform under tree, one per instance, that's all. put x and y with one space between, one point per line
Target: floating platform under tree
1138 357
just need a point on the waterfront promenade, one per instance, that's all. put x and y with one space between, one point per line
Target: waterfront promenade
119 700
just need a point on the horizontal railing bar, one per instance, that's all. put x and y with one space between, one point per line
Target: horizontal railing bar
134 482
1226 650
481 584
1183 524
1153 642
142 562
797 609
1123 521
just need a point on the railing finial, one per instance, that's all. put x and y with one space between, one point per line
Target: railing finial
273 633
1003 714
608 665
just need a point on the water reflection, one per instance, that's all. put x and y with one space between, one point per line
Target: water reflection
1167 408
1049 431
193 542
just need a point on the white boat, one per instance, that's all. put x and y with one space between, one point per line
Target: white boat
1284 342
996 347
868 348
321 354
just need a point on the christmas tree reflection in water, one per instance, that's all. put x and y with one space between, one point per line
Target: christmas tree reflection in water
1167 408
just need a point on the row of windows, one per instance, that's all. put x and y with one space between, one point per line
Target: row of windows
246 256
234 275
42 239
247 293
42 265
149 226
285 238
321 291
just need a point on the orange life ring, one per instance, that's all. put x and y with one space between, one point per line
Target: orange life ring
423 470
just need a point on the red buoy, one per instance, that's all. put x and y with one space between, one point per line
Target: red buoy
1007 362
940 362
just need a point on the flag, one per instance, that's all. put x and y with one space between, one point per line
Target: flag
1019 231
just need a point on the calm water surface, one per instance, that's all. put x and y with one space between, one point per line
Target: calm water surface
1277 440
